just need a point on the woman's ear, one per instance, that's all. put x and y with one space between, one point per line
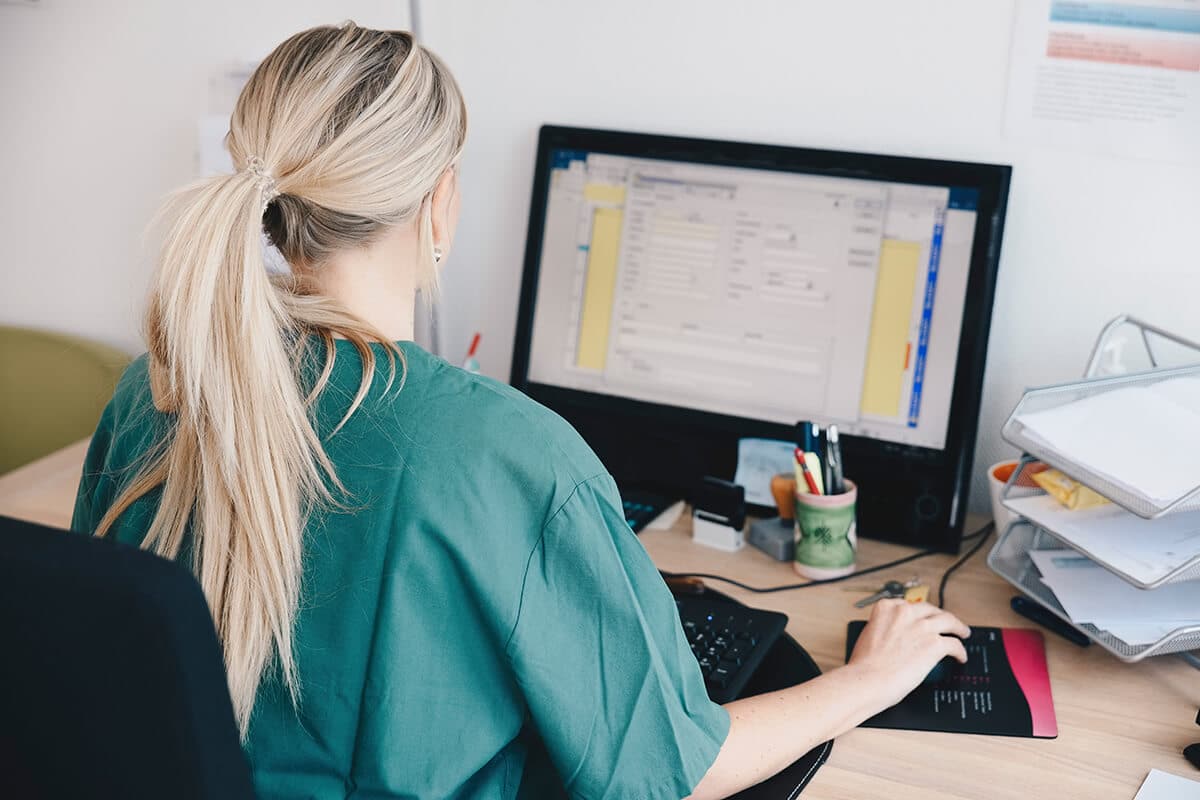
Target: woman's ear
444 210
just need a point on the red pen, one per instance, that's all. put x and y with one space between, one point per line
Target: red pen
808 476
469 363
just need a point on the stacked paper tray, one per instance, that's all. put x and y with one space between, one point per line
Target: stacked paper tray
1010 560
1016 432
1145 553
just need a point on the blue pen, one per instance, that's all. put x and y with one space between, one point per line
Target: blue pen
808 437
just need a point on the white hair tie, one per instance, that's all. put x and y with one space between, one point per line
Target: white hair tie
266 182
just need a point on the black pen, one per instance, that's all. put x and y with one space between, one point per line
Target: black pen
1032 611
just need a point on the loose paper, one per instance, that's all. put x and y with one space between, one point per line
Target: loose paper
1090 593
1161 785
759 460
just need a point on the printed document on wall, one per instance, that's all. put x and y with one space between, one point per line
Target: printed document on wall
1121 78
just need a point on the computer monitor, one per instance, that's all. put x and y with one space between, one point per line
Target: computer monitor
680 294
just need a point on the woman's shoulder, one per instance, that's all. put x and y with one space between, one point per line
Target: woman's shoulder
132 403
507 420
435 414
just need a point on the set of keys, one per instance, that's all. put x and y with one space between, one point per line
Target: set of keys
911 590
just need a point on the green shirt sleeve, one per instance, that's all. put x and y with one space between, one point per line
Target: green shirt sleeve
93 496
611 684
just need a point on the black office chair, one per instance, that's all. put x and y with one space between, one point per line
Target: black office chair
111 677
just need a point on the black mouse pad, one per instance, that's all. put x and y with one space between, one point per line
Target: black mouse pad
1002 690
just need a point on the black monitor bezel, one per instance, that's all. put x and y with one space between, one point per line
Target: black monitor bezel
991 180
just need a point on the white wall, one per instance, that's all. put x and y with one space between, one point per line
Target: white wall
1087 237
100 101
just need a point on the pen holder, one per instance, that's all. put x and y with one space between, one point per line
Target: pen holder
826 533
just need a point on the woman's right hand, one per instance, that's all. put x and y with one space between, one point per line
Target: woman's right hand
904 641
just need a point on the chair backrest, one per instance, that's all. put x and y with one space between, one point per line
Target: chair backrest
112 682
55 387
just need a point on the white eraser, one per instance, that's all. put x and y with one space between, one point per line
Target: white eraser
716 535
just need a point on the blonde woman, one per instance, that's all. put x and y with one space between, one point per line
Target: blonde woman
422 580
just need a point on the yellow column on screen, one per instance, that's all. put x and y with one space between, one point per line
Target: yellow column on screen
598 288
611 193
887 347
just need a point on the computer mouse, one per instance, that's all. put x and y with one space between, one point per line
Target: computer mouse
1192 754
939 672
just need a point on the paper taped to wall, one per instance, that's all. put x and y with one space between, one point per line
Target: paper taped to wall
1121 78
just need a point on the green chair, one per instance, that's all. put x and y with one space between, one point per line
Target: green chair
53 388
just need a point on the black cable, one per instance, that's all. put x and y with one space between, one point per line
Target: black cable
984 534
789 586
977 534
858 574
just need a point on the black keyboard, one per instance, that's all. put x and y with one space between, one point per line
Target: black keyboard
729 640
642 507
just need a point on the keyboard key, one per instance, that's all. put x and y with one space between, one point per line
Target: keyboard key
725 644
720 676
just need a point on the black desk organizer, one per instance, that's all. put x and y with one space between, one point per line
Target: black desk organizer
786 664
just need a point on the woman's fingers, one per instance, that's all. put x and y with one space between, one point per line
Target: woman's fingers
955 648
944 621
948 624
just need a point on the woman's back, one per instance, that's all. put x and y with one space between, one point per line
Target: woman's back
426 590
475 617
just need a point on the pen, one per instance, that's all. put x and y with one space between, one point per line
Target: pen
799 470
1035 613
469 363
806 439
836 482
806 472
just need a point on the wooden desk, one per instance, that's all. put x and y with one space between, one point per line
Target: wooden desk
44 490
1116 721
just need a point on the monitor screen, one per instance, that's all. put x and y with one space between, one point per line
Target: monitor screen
774 295
680 295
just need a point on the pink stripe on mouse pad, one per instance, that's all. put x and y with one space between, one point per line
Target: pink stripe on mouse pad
1002 690
1026 653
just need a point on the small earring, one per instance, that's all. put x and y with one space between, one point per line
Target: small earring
437 255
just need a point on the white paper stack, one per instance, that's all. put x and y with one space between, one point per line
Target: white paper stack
1090 593
1142 438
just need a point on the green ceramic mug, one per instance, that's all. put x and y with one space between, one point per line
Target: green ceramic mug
826 533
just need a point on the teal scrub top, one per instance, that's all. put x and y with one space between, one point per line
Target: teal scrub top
477 619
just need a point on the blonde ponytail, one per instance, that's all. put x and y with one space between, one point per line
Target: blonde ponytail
339 134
